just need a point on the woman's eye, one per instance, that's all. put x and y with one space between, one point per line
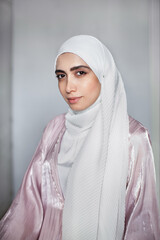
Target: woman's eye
60 76
79 73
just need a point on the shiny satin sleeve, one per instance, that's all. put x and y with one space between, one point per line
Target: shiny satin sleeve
142 214
24 218
36 212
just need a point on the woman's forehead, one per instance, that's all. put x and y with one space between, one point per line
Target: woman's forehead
69 59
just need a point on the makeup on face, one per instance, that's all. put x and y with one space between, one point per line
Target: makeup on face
77 83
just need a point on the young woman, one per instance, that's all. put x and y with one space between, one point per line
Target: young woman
92 176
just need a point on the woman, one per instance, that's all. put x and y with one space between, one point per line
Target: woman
92 176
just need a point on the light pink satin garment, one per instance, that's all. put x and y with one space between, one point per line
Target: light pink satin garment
36 212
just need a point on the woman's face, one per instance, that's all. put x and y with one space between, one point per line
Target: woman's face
77 83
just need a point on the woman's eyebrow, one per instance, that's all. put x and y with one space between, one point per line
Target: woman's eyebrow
77 67
58 70
72 69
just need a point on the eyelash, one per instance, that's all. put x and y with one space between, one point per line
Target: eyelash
81 73
60 76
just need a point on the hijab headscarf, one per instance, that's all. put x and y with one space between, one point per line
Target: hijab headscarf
95 197
78 125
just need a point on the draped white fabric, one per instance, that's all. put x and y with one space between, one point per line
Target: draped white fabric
77 125
95 195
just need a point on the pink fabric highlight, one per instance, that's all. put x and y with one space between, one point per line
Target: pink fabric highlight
36 212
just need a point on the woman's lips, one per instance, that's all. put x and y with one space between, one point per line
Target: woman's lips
73 99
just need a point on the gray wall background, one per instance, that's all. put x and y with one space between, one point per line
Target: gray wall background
30 35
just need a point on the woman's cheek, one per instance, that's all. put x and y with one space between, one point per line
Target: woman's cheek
61 89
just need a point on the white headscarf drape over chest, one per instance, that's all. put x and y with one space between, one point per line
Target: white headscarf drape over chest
95 196
78 125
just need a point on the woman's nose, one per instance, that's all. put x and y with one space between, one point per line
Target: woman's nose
70 86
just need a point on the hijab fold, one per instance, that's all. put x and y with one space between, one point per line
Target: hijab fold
95 195
78 125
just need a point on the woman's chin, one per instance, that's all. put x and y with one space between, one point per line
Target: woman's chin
77 107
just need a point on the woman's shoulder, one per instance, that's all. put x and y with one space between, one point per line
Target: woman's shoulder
54 127
135 127
57 121
137 131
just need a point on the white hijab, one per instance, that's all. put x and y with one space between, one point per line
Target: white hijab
95 198
78 125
